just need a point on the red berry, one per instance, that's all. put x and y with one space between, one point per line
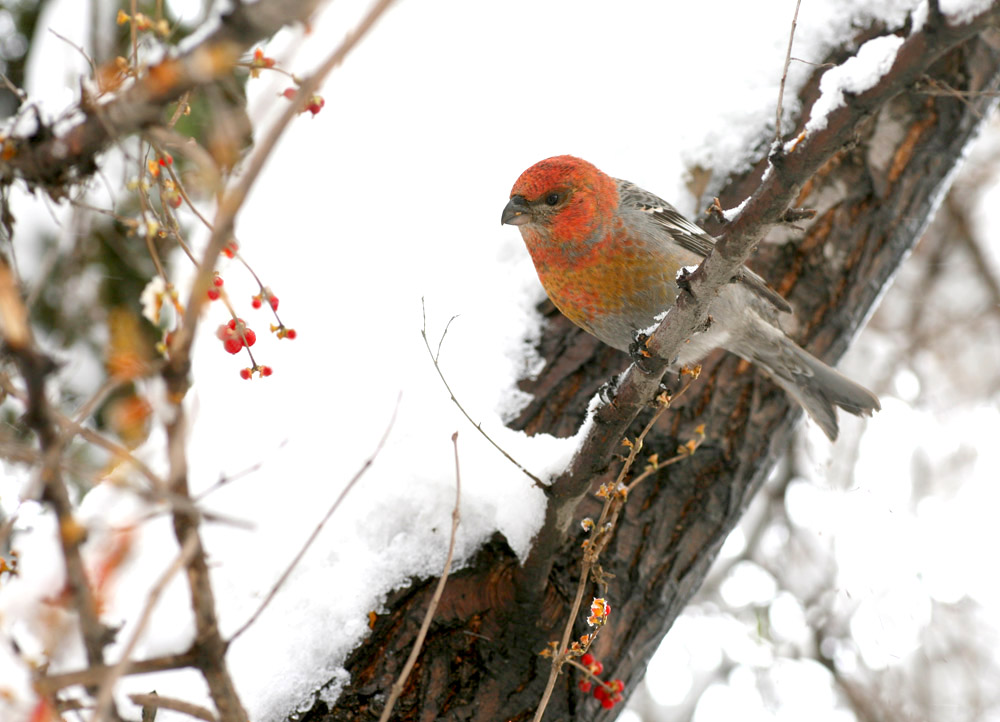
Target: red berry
266 371
244 373
587 659
232 324
250 336
607 703
255 302
213 294
233 345
217 281
585 685
597 667
600 692
290 93
274 302
290 334
619 684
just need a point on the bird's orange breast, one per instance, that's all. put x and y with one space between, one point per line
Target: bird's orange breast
615 280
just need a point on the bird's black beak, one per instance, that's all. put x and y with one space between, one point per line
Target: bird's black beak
516 212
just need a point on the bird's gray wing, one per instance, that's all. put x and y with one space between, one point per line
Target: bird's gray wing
689 236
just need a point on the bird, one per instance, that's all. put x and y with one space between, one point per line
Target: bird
608 254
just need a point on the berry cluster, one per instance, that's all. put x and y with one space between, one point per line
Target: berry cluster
235 335
607 693
247 373
214 292
267 296
312 104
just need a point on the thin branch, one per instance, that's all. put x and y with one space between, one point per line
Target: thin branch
319 527
177 705
478 427
94 675
397 688
615 495
35 368
108 683
229 478
784 74
175 374
232 201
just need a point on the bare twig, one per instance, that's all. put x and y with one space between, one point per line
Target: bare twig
35 368
434 358
177 705
229 478
397 687
90 60
94 675
315 532
232 201
103 703
784 75
615 495
175 375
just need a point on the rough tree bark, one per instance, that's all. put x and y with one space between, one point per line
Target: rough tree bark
874 198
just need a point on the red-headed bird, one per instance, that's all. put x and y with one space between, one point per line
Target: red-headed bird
608 254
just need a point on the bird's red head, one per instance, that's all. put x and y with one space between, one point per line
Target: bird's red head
562 197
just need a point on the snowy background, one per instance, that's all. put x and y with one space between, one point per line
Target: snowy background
393 194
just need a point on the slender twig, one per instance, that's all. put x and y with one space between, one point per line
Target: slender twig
176 376
784 76
71 427
233 200
615 495
35 368
478 427
397 688
229 478
79 49
315 532
177 705
103 703
94 675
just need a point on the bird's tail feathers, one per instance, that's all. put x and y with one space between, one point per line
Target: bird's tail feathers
816 386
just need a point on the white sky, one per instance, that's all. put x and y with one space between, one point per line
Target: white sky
393 193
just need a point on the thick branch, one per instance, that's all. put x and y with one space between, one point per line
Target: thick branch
873 199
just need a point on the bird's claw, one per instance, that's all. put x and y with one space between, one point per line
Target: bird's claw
640 354
684 281
609 389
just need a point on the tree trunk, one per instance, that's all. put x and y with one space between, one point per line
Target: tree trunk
480 660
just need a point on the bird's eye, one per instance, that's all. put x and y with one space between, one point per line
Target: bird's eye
552 198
